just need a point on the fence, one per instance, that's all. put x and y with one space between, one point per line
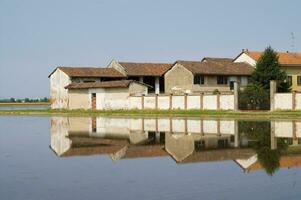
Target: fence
284 101
185 102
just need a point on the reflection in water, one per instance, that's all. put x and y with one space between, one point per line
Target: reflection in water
252 145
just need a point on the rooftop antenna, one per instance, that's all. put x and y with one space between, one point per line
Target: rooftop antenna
292 42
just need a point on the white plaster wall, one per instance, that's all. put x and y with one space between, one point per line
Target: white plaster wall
79 99
283 129
283 101
58 94
210 126
163 102
117 98
298 101
245 58
227 102
209 102
227 127
298 129
244 81
150 102
135 124
178 102
164 125
135 102
113 127
193 102
178 125
194 126
149 124
59 141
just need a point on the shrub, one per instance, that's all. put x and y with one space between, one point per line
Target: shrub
254 97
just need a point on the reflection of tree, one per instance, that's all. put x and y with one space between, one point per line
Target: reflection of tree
260 133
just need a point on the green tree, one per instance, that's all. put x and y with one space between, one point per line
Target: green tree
267 69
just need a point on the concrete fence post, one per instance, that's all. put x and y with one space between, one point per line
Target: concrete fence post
185 101
142 101
272 95
201 101
218 102
236 93
156 99
170 101
294 100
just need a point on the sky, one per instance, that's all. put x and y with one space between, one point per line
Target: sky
38 35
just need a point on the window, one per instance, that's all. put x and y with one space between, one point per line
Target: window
222 80
88 81
289 80
298 80
199 79
199 145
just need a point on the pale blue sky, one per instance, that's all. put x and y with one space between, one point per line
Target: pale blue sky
36 35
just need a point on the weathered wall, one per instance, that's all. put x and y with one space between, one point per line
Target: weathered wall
203 102
58 94
172 80
245 58
136 88
79 99
293 71
111 98
287 101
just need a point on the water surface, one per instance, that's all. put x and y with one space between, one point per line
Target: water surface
148 158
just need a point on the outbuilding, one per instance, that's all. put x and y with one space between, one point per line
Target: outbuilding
104 95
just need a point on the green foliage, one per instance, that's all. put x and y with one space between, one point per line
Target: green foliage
260 132
267 69
254 97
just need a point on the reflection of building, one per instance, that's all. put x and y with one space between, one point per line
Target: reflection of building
290 131
185 140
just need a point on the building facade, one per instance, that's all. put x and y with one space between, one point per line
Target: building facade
289 62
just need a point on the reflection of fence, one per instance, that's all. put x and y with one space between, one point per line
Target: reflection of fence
284 101
188 101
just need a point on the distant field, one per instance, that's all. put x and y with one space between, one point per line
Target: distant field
25 104
163 113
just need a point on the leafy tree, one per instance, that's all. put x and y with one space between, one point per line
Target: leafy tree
12 100
254 97
267 69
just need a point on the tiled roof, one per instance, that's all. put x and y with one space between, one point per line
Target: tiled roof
89 72
285 58
286 161
217 59
221 67
104 84
145 69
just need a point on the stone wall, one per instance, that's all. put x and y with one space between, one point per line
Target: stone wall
284 101
184 102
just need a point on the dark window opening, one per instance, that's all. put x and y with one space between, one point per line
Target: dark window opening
151 137
289 80
222 143
89 81
298 80
135 78
199 145
150 80
162 85
232 85
162 137
222 80
199 79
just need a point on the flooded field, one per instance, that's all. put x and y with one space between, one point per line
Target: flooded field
149 158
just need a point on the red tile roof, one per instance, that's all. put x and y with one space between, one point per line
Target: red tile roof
217 67
285 58
89 72
145 69
104 84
